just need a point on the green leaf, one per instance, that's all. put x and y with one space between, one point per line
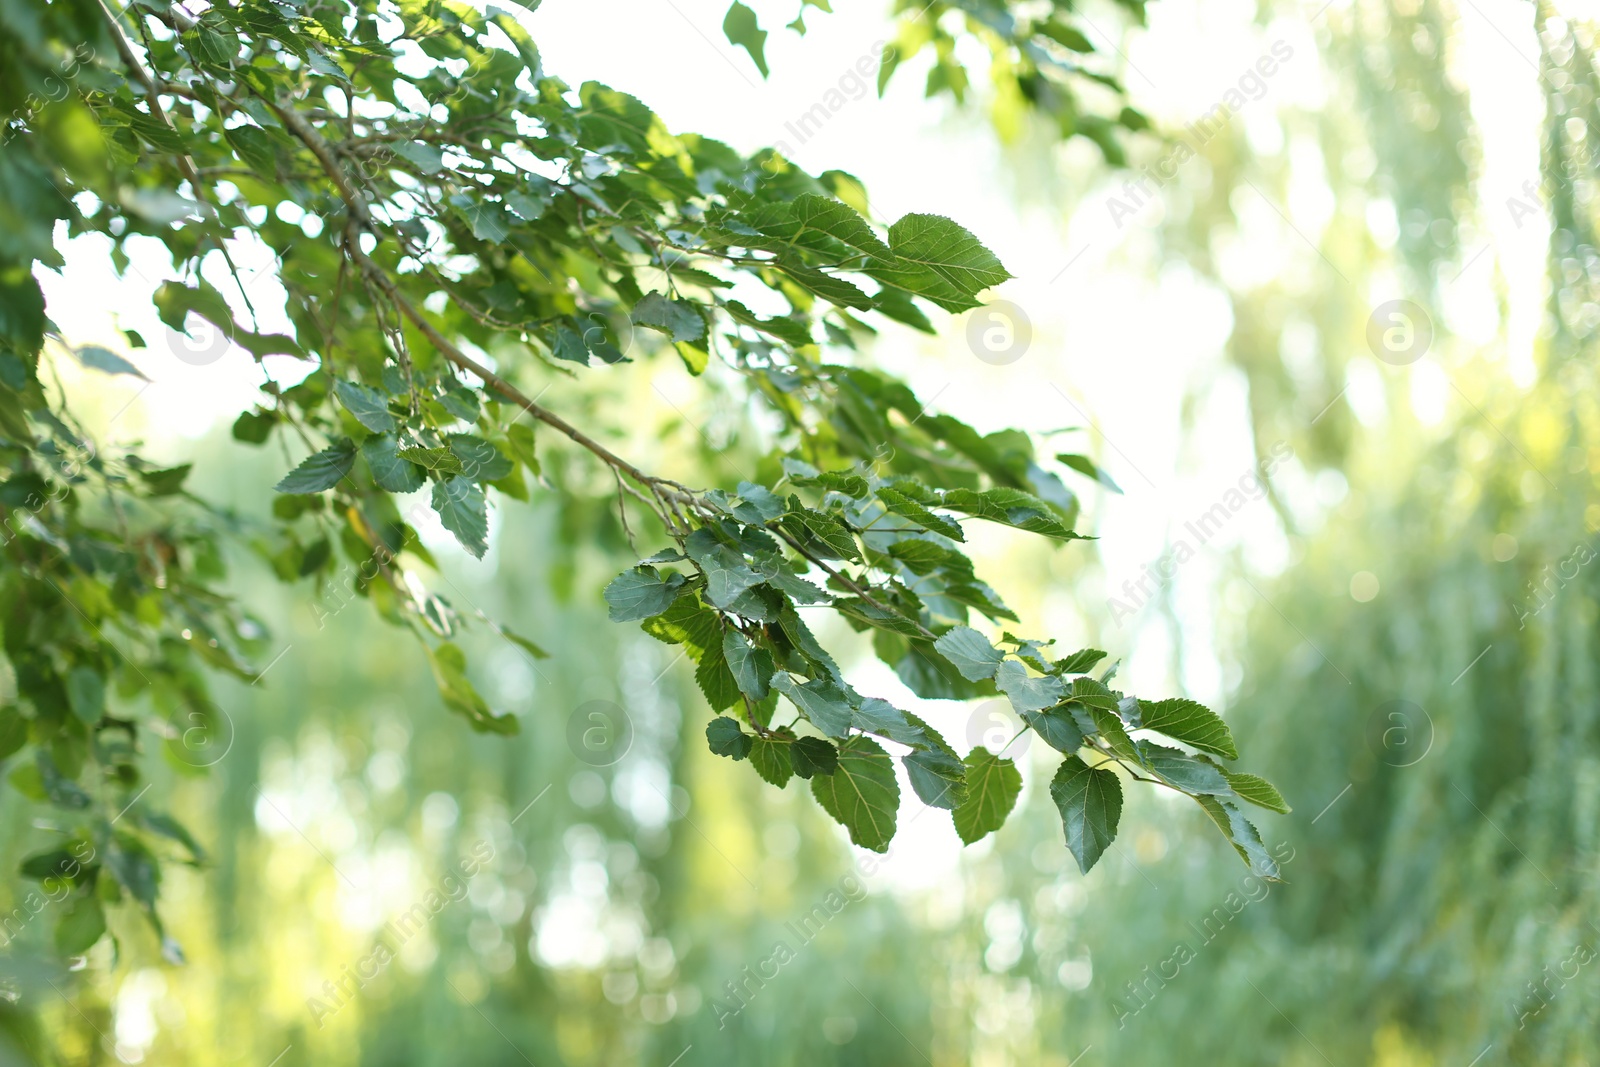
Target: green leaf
676 319
1109 726
1065 35
771 760
938 777
1057 728
81 923
715 678
993 785
389 471
460 696
907 508
812 756
174 301
106 361
822 704
425 157
641 593
464 512
1189 722
862 793
727 574
370 407
320 471
940 260
254 427
1242 835
13 731
1079 662
437 460
726 738
752 667
168 481
1027 693
1084 465
1185 771
970 653
480 460
1255 789
822 225
86 694
743 30
1090 802
1011 507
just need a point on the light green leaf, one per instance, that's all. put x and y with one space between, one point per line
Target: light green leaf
676 319
81 924
1090 802
862 793
993 785
970 653
1241 833
1011 507
86 694
107 361
743 30
938 777
1025 692
370 407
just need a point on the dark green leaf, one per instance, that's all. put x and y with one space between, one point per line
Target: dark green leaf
1090 802
1189 722
389 471
726 738
464 512
812 756
641 593
1057 728
320 471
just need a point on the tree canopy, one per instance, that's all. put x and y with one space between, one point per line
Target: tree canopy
451 227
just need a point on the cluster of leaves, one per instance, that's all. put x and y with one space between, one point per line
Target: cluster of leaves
463 222
1040 59
109 618
888 552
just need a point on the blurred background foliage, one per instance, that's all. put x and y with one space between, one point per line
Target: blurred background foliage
1441 899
